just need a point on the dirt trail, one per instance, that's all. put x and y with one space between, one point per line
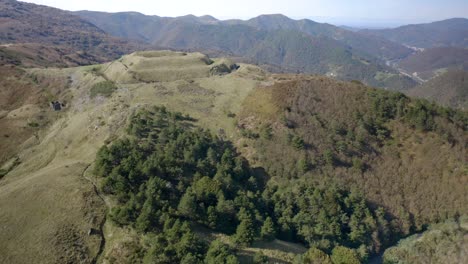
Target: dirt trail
103 222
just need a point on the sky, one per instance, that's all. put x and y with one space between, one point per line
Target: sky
378 13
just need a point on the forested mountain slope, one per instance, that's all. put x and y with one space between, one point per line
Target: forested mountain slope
446 33
431 62
449 88
154 29
61 32
393 147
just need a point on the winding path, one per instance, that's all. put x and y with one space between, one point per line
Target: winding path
101 225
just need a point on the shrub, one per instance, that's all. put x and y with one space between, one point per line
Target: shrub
104 88
247 133
296 141
3 173
219 253
344 255
245 233
259 258
358 166
329 158
267 231
33 124
266 132
315 256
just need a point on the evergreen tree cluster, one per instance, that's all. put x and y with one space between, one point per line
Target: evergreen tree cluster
168 175
326 217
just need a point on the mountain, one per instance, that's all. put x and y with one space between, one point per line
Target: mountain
449 88
25 23
370 45
447 33
275 40
291 51
428 63
133 25
44 55
177 157
359 137
147 28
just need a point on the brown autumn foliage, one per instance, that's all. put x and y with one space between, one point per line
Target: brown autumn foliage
449 89
75 38
427 62
406 155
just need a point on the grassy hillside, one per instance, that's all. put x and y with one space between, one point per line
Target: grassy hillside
449 89
446 33
24 105
48 176
442 243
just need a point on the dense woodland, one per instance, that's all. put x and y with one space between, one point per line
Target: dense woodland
168 175
396 148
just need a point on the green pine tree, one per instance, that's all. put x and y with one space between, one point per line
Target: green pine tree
344 255
268 231
187 204
245 233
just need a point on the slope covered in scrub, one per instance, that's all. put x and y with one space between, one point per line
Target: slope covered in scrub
406 155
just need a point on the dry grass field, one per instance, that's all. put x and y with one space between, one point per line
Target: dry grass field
48 200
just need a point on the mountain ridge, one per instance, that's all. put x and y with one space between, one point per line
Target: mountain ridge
264 22
426 63
245 38
449 88
25 23
450 32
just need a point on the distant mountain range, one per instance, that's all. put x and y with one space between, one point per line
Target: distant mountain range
40 35
157 30
447 33
287 44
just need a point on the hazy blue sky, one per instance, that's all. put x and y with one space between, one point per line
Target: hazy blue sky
336 11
